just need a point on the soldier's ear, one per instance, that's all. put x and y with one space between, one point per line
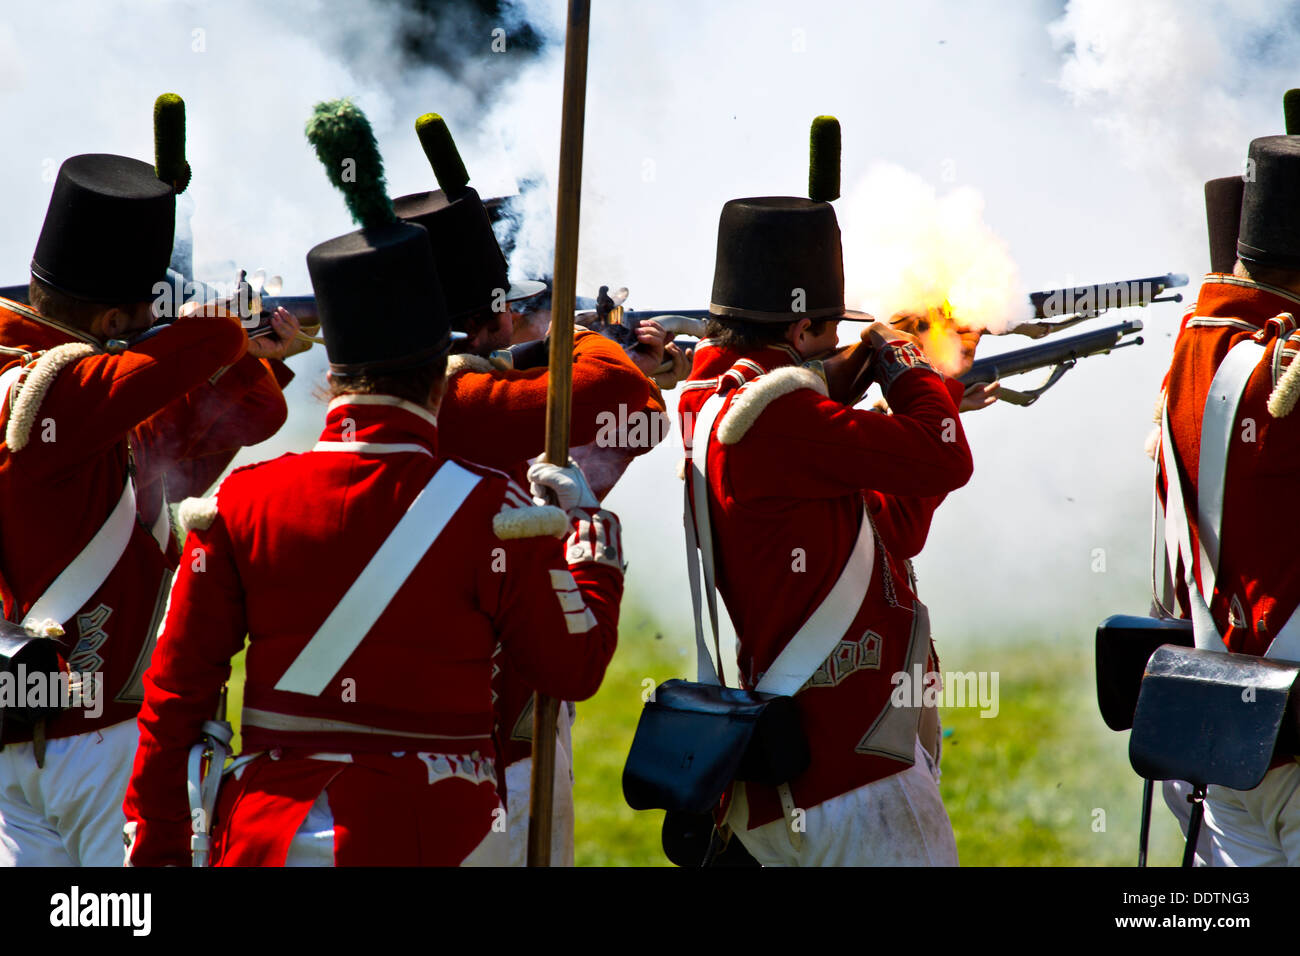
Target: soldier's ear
795 330
112 323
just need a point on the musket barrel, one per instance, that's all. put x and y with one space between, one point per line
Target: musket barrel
1091 299
303 307
638 314
1047 354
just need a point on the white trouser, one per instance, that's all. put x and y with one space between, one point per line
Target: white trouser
313 844
1259 827
519 777
897 821
70 812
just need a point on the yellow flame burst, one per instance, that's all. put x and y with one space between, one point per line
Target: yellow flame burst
936 327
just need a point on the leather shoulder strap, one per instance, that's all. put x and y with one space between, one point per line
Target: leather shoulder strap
824 628
76 583
1217 428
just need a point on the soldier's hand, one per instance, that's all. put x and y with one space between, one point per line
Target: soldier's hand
566 488
679 369
880 334
980 395
895 352
283 341
651 340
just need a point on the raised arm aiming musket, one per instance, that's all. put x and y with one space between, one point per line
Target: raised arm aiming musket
256 301
1051 311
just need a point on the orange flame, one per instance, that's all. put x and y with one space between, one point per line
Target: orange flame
937 328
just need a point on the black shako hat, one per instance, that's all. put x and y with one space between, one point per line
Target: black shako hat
1222 220
465 249
779 260
379 299
470 261
1270 232
377 291
108 231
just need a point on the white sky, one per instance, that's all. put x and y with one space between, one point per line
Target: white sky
1087 131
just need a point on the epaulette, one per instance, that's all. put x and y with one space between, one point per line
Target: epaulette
520 518
31 391
468 363
1286 376
196 514
752 398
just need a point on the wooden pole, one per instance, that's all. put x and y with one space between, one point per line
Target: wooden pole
559 392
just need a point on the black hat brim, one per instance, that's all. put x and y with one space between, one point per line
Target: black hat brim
825 315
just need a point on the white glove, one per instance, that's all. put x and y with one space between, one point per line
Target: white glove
566 488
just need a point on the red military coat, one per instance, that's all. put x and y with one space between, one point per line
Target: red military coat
788 477
498 418
182 399
411 707
1257 587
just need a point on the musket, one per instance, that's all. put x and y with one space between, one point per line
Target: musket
633 317
535 353
1060 355
254 308
1051 310
1058 309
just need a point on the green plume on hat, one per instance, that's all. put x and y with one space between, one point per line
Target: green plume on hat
169 141
441 151
824 159
346 146
1291 110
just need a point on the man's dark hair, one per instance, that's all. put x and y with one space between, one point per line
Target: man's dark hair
744 334
61 307
412 384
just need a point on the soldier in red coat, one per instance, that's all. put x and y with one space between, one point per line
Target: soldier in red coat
809 497
97 434
494 413
1230 435
368 720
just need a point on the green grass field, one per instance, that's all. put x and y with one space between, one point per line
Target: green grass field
1023 788
1044 783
